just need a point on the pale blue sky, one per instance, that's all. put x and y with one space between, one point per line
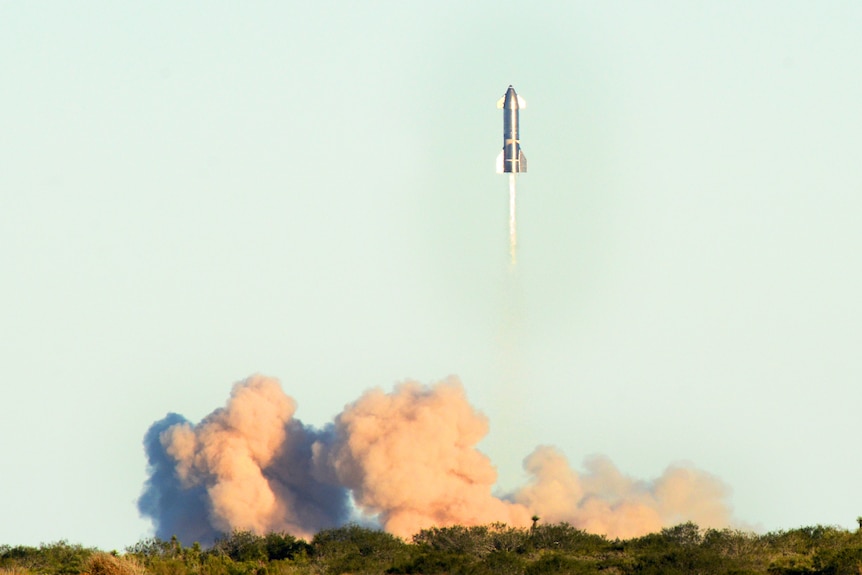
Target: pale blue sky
191 193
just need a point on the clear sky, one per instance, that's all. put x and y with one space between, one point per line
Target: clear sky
191 193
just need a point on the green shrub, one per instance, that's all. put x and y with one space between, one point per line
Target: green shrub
355 549
476 541
504 563
562 537
242 546
58 558
432 562
559 564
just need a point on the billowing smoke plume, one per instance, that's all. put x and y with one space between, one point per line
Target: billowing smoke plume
410 456
605 501
251 462
408 459
175 508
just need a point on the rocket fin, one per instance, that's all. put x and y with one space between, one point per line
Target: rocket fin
522 161
500 162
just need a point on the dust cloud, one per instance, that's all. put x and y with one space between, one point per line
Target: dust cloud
406 459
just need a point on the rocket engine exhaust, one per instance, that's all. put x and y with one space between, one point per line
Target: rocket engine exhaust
407 458
513 226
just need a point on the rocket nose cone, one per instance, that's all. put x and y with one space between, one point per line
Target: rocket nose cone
511 101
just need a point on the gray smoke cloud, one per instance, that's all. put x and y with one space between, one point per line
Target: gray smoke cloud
248 466
406 459
175 509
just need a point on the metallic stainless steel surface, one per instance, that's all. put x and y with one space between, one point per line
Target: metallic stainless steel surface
511 159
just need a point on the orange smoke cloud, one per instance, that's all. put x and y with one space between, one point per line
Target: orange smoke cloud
607 502
228 451
408 458
255 463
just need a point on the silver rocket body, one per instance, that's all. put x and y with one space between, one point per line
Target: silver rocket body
511 158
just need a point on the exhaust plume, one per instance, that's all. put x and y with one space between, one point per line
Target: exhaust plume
252 464
608 502
410 456
173 507
408 459
513 225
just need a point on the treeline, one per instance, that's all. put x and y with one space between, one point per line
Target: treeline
485 550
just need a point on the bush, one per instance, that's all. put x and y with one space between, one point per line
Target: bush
242 546
155 547
504 563
434 562
285 546
476 541
564 537
558 564
356 540
107 564
58 558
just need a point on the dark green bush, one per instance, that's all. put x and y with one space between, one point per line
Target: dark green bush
559 564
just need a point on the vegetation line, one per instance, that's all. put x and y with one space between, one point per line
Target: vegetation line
483 550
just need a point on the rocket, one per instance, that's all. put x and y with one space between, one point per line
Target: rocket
511 158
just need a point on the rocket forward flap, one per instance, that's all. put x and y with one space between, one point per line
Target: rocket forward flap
501 103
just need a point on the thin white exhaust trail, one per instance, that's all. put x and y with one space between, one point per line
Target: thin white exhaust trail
513 225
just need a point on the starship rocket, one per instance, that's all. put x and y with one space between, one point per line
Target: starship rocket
511 158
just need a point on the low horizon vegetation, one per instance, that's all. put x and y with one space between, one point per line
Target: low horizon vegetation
495 549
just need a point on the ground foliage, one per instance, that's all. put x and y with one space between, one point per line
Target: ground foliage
456 550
